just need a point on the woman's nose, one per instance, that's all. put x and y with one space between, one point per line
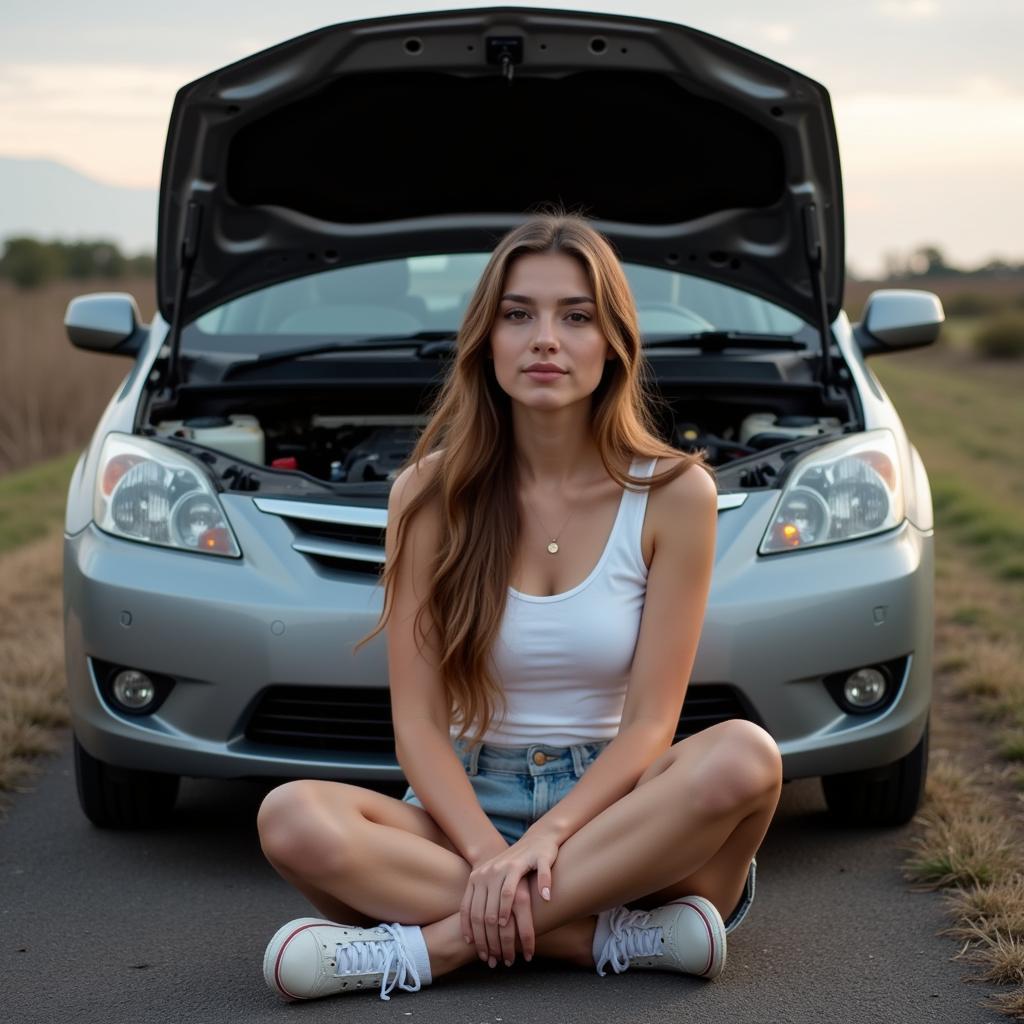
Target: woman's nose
545 332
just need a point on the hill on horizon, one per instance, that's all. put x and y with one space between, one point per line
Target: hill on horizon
55 202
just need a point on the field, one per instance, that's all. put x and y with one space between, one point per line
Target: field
51 393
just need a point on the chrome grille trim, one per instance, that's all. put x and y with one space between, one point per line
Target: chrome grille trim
347 515
339 549
359 515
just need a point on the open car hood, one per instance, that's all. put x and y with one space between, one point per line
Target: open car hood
437 132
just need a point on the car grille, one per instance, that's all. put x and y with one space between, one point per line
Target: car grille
358 720
350 719
708 704
340 536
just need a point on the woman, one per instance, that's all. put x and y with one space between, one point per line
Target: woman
565 552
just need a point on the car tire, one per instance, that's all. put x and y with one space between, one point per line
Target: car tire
113 797
887 795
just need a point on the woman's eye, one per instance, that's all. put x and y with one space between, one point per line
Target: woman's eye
511 315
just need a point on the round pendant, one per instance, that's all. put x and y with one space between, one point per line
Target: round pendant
553 547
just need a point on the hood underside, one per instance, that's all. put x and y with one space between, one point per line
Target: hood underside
437 133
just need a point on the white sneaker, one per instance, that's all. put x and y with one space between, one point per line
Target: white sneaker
686 935
309 957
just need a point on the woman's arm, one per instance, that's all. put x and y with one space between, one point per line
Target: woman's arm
419 710
685 516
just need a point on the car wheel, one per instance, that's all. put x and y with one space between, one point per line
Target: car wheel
114 797
888 795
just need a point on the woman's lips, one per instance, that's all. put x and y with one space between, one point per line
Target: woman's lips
544 374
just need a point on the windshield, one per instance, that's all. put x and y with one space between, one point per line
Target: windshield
430 293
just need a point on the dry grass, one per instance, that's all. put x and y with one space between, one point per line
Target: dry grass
962 839
970 831
51 393
32 687
966 843
1002 956
987 668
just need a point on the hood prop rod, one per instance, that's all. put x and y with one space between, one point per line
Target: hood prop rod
816 265
186 261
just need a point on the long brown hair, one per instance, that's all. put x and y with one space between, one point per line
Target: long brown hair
476 478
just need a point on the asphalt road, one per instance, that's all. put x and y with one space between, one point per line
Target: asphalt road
170 925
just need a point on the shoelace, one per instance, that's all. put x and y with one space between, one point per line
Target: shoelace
629 938
372 956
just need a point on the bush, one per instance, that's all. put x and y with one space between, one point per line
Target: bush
971 304
30 263
1001 337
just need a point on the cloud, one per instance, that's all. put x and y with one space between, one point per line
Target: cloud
979 126
907 10
108 121
777 33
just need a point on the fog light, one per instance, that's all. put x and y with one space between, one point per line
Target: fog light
133 689
865 688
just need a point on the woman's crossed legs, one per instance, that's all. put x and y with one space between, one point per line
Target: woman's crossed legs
363 857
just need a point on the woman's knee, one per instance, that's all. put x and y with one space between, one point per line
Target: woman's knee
743 768
300 833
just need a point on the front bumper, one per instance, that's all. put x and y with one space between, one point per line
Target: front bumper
227 629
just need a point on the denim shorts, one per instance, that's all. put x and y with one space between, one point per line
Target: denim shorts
516 786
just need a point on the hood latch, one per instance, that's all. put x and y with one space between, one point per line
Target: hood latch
506 51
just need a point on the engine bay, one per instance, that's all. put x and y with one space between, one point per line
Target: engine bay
295 450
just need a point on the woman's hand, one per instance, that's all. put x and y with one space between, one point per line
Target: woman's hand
497 894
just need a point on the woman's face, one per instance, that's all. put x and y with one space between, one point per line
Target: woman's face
547 315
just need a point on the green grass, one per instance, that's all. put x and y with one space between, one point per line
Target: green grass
32 500
1012 746
965 417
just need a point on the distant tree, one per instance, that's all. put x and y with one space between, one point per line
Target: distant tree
143 265
99 258
29 263
929 260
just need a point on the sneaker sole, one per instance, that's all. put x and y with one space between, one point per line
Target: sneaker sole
276 947
716 934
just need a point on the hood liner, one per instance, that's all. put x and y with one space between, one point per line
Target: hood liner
339 147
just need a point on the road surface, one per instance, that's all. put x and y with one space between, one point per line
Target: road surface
170 925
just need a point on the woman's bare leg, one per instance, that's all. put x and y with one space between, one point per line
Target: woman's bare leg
313 832
725 783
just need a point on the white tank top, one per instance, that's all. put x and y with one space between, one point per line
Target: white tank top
564 660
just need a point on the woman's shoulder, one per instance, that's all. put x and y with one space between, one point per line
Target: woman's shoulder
694 482
413 479
693 492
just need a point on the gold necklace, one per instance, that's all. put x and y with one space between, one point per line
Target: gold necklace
553 543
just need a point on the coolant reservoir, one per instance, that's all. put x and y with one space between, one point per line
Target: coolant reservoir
785 426
238 434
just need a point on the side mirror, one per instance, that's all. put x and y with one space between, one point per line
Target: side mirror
104 322
897 319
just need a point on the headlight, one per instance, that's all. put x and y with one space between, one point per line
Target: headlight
851 488
146 491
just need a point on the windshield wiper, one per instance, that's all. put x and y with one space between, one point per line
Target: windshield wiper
718 341
427 344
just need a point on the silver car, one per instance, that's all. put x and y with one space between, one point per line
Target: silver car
326 207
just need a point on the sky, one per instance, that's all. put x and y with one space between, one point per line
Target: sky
928 95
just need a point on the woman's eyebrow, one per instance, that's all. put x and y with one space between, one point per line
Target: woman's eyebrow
572 300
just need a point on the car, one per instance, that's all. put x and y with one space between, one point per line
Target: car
326 207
